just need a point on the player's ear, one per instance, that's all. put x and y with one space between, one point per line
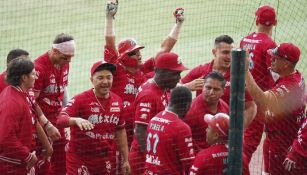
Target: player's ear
91 79
23 78
213 52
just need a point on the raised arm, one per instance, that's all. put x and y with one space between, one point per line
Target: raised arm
169 42
110 46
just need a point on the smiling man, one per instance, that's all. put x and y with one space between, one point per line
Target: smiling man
97 126
221 63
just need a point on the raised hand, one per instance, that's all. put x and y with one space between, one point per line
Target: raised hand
179 15
111 8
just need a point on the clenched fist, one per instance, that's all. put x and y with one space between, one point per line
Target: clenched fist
179 15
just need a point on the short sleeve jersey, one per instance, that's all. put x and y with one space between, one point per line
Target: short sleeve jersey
213 161
105 114
169 145
50 82
150 100
258 44
195 119
290 91
202 71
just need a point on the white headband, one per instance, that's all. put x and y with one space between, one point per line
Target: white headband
67 47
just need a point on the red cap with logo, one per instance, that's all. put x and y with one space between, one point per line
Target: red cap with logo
106 65
286 50
128 45
219 123
170 61
266 15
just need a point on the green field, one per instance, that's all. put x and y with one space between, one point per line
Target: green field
32 25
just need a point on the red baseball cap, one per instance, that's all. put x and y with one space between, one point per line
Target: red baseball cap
286 50
219 122
170 61
266 15
128 45
108 66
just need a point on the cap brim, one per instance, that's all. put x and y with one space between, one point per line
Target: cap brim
136 47
179 68
208 118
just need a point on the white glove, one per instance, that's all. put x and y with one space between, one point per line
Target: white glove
179 15
111 8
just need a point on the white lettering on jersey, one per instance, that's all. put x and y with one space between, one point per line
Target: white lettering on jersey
130 89
96 119
148 105
152 159
162 120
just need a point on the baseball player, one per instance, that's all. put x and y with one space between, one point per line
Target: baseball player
17 122
152 98
169 148
285 103
296 160
50 88
213 160
221 63
97 126
40 142
131 72
209 102
257 44
50 130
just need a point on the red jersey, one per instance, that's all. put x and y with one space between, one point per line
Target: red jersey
16 126
3 83
289 89
258 44
195 119
125 83
51 82
202 71
213 160
105 114
169 145
150 100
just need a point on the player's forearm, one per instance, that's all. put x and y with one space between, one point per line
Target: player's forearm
42 137
122 143
41 117
249 113
254 90
170 41
109 33
140 133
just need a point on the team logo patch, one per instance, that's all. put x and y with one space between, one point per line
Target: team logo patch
143 116
179 61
